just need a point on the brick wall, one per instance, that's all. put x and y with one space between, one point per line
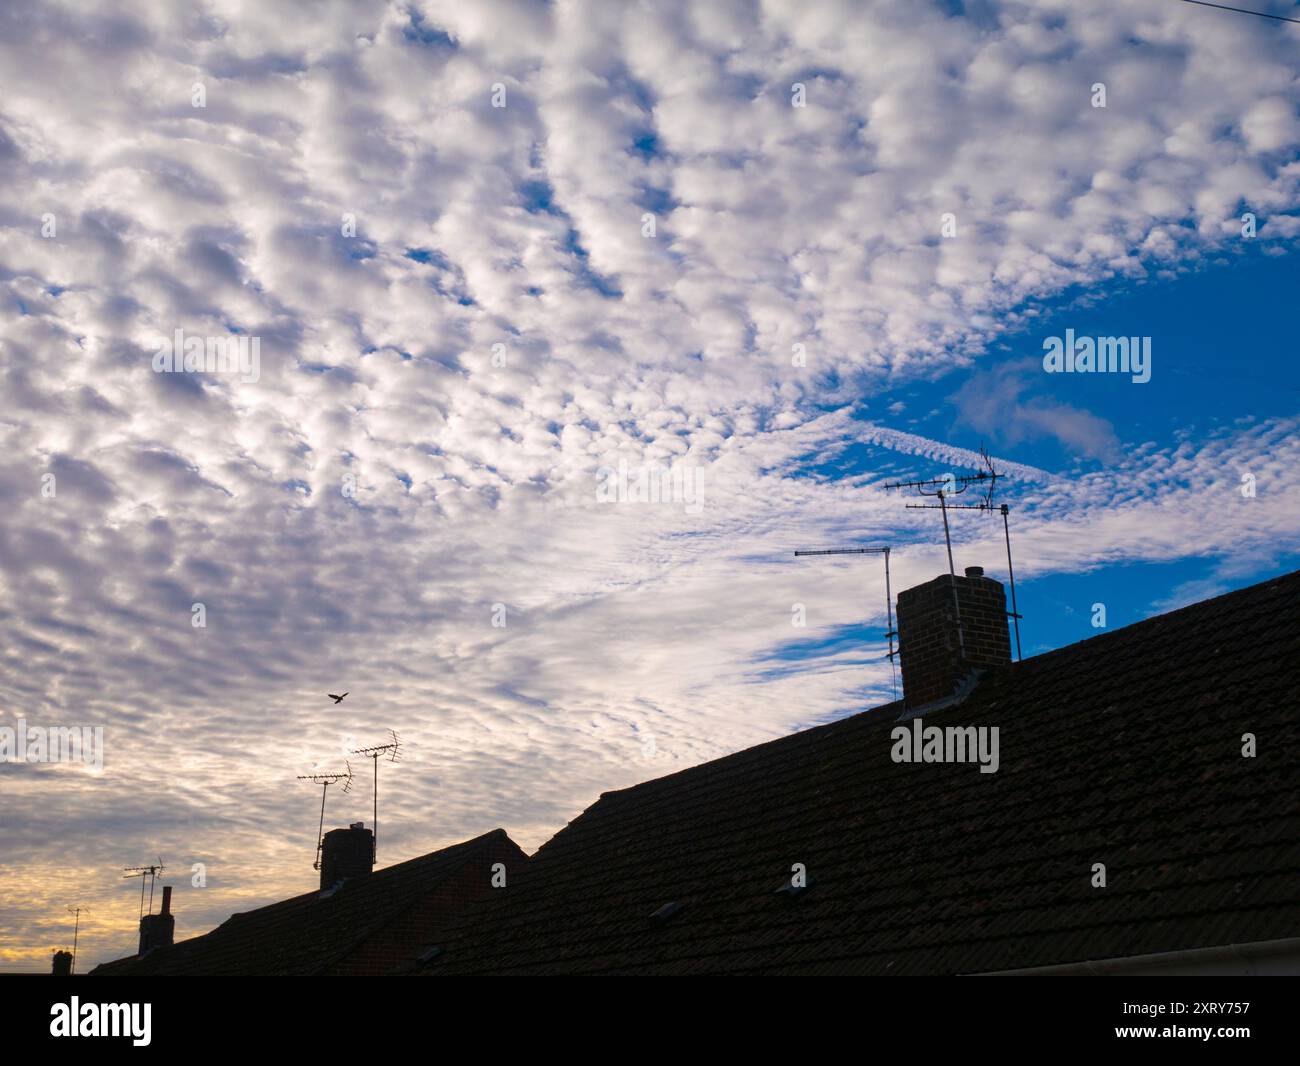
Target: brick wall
933 665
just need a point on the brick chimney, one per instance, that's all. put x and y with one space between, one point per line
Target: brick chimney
62 964
346 853
158 930
939 656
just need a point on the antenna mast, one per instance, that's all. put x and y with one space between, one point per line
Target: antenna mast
392 750
143 872
889 599
76 912
325 780
1011 572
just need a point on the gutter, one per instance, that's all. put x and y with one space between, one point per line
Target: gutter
1240 957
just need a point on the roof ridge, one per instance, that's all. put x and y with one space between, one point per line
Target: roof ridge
384 873
1166 616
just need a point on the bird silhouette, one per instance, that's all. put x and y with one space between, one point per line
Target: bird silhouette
336 699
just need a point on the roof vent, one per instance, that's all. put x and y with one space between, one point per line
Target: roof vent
666 911
790 890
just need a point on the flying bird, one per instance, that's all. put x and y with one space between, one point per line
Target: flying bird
336 699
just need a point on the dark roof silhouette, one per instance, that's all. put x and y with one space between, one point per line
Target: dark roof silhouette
1125 749
371 924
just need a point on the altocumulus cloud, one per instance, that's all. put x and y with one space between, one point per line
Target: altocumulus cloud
462 319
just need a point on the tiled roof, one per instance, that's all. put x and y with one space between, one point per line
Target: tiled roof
312 935
1125 749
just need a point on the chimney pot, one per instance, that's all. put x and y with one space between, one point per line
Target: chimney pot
62 964
167 900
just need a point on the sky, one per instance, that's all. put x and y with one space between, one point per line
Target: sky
500 264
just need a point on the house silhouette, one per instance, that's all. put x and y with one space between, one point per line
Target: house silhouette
361 924
1140 818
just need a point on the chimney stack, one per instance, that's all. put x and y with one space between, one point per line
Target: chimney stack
938 655
346 853
62 964
158 930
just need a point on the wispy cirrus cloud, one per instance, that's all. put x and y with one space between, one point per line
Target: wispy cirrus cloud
462 318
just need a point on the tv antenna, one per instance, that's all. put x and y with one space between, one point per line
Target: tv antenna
889 599
942 488
76 928
149 873
393 751
325 780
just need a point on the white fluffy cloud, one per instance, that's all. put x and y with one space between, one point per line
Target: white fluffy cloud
476 466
